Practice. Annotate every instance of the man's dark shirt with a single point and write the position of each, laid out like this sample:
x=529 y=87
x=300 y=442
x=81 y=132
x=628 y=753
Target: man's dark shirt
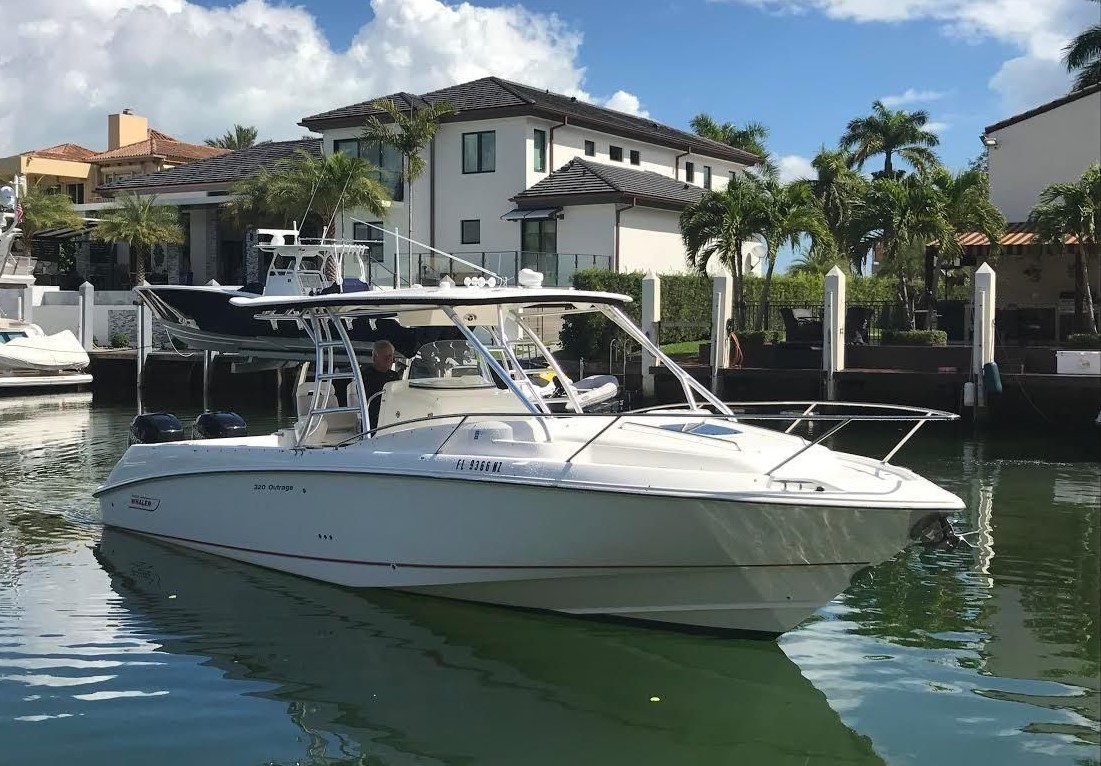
x=373 y=381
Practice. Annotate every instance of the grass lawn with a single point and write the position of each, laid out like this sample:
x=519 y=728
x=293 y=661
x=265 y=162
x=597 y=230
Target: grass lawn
x=687 y=349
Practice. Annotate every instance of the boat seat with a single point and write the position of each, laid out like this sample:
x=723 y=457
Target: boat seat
x=332 y=426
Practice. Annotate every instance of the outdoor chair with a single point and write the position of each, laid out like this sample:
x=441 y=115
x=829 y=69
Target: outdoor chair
x=857 y=319
x=802 y=325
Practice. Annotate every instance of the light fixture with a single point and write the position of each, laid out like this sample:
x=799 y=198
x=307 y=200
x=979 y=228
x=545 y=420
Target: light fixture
x=988 y=141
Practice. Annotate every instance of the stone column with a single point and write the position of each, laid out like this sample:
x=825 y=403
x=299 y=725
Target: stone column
x=252 y=256
x=651 y=318
x=87 y=312
x=982 y=343
x=722 y=309
x=833 y=345
x=172 y=256
x=212 y=237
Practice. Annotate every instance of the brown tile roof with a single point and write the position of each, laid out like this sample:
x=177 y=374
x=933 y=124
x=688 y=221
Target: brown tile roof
x=1070 y=97
x=159 y=145
x=1016 y=233
x=493 y=97
x=73 y=152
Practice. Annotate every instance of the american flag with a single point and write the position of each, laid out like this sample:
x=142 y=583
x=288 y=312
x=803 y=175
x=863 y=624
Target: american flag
x=18 y=212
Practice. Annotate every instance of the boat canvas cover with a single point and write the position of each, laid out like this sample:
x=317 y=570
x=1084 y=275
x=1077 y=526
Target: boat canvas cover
x=61 y=351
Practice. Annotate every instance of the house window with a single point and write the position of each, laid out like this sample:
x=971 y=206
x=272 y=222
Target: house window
x=615 y=153
x=539 y=236
x=470 y=231
x=540 y=151
x=75 y=192
x=636 y=157
x=372 y=233
x=690 y=172
x=384 y=157
x=707 y=176
x=480 y=152
x=590 y=148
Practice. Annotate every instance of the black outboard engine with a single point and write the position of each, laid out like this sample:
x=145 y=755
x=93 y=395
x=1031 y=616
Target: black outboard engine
x=219 y=425
x=155 y=427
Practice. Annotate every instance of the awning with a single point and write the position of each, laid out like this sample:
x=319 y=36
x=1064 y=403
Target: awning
x=65 y=232
x=526 y=214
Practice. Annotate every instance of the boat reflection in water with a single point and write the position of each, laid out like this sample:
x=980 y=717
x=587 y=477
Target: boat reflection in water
x=403 y=678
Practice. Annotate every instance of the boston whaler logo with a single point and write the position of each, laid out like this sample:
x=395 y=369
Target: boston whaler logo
x=142 y=503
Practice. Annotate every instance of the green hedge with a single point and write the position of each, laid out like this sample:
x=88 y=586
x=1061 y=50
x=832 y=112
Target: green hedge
x=914 y=338
x=1083 y=340
x=686 y=300
x=760 y=337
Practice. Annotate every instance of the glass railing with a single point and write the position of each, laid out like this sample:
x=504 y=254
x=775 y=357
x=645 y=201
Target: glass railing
x=427 y=268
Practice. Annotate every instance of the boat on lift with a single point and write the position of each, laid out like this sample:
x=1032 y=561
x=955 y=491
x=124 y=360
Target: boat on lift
x=31 y=359
x=473 y=486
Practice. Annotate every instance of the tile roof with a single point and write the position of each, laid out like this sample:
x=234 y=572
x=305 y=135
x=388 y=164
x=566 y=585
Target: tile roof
x=1070 y=97
x=504 y=97
x=159 y=145
x=581 y=178
x=73 y=152
x=223 y=169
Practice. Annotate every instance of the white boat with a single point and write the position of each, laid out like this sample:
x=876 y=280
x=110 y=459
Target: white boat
x=475 y=486
x=30 y=358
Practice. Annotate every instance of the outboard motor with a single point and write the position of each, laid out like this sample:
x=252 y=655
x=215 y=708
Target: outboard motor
x=155 y=427
x=219 y=425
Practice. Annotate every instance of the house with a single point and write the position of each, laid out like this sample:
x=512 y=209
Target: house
x=1052 y=143
x=133 y=149
x=215 y=245
x=520 y=176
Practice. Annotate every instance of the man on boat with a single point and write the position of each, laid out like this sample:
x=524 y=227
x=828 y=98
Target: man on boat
x=378 y=374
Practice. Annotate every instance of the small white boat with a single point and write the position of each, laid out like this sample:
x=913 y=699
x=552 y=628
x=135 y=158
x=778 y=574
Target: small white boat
x=474 y=485
x=30 y=358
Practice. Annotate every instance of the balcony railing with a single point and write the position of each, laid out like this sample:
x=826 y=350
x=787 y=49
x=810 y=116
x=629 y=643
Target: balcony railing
x=427 y=268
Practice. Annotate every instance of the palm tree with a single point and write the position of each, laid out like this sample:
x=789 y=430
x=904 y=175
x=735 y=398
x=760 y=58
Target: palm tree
x=1073 y=211
x=818 y=261
x=45 y=209
x=409 y=132
x=141 y=223
x=239 y=137
x=1083 y=53
x=900 y=215
x=891 y=132
x=790 y=212
x=718 y=226
x=839 y=191
x=750 y=138
x=308 y=187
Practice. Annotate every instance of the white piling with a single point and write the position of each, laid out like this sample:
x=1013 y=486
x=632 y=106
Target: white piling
x=833 y=341
x=26 y=303
x=722 y=309
x=651 y=317
x=145 y=339
x=87 y=312
x=982 y=348
x=208 y=358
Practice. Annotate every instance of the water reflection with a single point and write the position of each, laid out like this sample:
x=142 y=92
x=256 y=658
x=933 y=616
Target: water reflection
x=393 y=676
x=1014 y=620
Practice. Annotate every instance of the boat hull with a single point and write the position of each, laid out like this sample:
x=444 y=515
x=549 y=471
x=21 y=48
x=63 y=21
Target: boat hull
x=688 y=561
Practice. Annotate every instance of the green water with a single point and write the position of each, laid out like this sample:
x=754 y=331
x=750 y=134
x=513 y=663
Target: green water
x=118 y=651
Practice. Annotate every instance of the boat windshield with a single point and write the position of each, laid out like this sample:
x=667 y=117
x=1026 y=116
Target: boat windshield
x=448 y=364
x=6 y=335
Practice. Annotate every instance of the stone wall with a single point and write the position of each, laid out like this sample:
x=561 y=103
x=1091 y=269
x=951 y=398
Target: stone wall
x=125 y=322
x=252 y=256
x=212 y=236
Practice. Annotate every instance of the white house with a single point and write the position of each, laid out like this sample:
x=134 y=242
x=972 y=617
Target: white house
x=1053 y=143
x=520 y=176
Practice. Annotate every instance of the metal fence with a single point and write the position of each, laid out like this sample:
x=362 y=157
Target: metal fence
x=427 y=268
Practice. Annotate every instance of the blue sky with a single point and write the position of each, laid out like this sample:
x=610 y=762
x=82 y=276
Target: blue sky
x=801 y=72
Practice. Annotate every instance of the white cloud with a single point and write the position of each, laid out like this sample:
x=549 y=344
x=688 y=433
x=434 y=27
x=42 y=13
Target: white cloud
x=794 y=167
x=1037 y=28
x=194 y=71
x=622 y=101
x=938 y=127
x=911 y=96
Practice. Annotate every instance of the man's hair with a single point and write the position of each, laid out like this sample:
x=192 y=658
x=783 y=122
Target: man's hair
x=382 y=345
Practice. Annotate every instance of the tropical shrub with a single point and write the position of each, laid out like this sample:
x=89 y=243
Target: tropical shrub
x=914 y=338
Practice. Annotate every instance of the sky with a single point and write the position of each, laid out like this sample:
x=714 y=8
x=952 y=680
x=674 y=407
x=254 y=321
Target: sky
x=804 y=68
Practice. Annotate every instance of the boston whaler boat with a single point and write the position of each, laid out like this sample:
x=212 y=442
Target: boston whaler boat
x=473 y=485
